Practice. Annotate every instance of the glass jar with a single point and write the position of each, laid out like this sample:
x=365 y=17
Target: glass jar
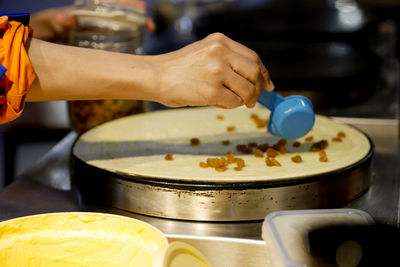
x=111 y=25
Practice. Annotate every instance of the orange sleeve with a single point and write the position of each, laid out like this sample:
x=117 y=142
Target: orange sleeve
x=20 y=75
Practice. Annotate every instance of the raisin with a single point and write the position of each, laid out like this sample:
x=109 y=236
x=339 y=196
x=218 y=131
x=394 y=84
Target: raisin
x=244 y=149
x=272 y=162
x=241 y=147
x=239 y=162
x=322 y=156
x=261 y=123
x=297 y=144
x=319 y=145
x=252 y=144
x=324 y=143
x=226 y=142
x=269 y=162
x=254 y=116
x=309 y=139
x=282 y=150
x=341 y=134
x=194 y=141
x=258 y=153
x=220 y=169
x=276 y=147
x=203 y=165
x=272 y=153
x=230 y=157
x=230 y=128
x=297 y=159
x=221 y=164
x=315 y=147
x=282 y=142
x=263 y=147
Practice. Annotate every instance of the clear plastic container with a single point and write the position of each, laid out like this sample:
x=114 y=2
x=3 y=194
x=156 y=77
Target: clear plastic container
x=111 y=25
x=285 y=232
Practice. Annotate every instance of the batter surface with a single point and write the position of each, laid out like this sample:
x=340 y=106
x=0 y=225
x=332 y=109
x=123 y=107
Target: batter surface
x=137 y=145
x=78 y=239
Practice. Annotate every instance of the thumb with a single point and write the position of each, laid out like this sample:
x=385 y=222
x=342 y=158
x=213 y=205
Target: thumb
x=66 y=19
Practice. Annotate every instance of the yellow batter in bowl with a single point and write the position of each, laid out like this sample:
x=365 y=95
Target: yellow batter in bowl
x=81 y=239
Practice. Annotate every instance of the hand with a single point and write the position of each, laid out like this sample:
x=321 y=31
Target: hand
x=214 y=71
x=54 y=24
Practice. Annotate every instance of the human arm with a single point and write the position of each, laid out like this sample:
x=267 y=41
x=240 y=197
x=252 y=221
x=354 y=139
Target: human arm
x=214 y=71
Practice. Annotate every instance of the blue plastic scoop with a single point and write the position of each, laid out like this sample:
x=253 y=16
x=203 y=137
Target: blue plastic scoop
x=291 y=117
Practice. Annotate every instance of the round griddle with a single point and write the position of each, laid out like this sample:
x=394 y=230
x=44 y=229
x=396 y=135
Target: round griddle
x=113 y=165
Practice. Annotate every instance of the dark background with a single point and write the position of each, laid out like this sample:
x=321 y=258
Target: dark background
x=30 y=5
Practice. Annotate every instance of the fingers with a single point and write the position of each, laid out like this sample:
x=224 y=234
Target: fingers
x=253 y=56
x=66 y=19
x=226 y=98
x=236 y=73
x=149 y=24
x=239 y=73
x=250 y=71
x=241 y=86
x=247 y=53
x=267 y=82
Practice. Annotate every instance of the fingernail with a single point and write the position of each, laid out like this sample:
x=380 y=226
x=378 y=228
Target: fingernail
x=271 y=86
x=251 y=105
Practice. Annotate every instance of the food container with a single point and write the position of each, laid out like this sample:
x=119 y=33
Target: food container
x=285 y=232
x=90 y=239
x=86 y=114
x=111 y=25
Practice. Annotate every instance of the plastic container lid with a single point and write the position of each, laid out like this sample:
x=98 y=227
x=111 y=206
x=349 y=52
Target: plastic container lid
x=285 y=232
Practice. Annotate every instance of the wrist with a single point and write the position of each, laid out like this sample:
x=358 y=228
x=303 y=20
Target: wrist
x=165 y=83
x=137 y=78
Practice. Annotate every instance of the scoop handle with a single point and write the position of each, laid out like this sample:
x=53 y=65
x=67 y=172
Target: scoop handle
x=270 y=99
